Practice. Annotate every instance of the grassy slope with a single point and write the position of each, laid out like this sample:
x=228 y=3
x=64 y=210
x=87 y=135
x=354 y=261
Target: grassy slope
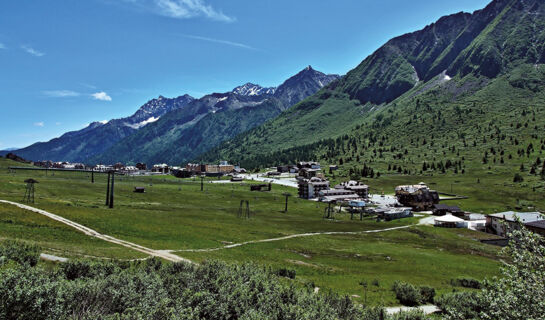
x=169 y=218
x=56 y=238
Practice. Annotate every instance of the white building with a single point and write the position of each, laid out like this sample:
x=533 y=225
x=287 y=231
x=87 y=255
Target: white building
x=504 y=222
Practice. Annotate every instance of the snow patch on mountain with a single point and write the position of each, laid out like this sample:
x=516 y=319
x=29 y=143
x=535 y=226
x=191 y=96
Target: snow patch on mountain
x=250 y=89
x=143 y=123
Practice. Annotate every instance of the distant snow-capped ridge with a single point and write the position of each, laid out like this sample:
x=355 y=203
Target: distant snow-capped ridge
x=250 y=89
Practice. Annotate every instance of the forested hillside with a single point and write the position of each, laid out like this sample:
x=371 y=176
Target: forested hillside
x=466 y=93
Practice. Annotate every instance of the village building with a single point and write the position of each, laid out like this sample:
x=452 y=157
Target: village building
x=310 y=173
x=389 y=214
x=309 y=165
x=194 y=168
x=536 y=227
x=310 y=188
x=442 y=209
x=119 y=166
x=141 y=166
x=211 y=169
x=102 y=168
x=503 y=223
x=130 y=169
x=335 y=195
x=161 y=168
x=418 y=197
x=357 y=187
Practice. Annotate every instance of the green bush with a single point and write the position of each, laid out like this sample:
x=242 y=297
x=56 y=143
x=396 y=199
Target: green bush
x=407 y=294
x=460 y=305
x=20 y=252
x=409 y=315
x=152 y=289
x=427 y=294
x=286 y=273
x=466 y=283
x=411 y=295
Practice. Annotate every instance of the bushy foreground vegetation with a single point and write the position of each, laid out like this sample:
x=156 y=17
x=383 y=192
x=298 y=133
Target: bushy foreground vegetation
x=151 y=289
x=519 y=294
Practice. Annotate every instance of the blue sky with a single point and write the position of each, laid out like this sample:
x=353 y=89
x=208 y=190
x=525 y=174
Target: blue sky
x=65 y=63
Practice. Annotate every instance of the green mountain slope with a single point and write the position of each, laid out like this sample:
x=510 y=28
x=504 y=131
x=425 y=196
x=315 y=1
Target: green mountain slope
x=473 y=61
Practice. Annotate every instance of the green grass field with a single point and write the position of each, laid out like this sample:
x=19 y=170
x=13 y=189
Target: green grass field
x=175 y=215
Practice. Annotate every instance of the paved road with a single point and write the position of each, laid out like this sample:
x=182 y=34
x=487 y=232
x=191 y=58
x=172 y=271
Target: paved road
x=90 y=232
x=288 y=182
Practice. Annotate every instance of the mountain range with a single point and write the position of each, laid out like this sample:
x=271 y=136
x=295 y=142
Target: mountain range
x=488 y=64
x=175 y=130
x=469 y=87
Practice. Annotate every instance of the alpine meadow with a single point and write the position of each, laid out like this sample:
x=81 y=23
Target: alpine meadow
x=411 y=186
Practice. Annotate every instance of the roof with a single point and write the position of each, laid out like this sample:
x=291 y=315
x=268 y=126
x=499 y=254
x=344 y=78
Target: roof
x=447 y=207
x=341 y=197
x=411 y=188
x=523 y=216
x=335 y=192
x=448 y=218
x=536 y=224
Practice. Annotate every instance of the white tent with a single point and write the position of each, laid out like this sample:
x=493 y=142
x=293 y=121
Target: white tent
x=450 y=221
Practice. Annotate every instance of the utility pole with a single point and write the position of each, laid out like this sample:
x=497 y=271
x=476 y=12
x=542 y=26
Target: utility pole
x=112 y=192
x=202 y=183
x=287 y=195
x=108 y=190
x=92 y=175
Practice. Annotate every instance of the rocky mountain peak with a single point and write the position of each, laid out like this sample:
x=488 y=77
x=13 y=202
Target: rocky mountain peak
x=251 y=89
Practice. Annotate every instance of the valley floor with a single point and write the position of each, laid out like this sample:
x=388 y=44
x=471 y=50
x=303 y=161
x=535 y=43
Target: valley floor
x=175 y=218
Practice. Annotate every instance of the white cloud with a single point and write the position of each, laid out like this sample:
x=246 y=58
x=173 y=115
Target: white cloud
x=33 y=51
x=2 y=46
x=182 y=9
x=103 y=96
x=226 y=42
x=39 y=124
x=60 y=93
x=58 y=123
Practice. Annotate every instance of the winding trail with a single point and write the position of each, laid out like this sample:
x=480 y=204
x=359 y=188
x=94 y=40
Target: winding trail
x=169 y=254
x=299 y=235
x=90 y=232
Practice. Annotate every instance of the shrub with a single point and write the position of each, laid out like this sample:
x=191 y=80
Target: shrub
x=466 y=283
x=284 y=272
x=409 y=315
x=427 y=294
x=460 y=305
x=153 y=289
x=20 y=252
x=407 y=294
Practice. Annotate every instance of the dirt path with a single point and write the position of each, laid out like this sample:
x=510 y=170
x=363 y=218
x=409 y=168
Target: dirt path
x=169 y=254
x=424 y=221
x=300 y=235
x=90 y=232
